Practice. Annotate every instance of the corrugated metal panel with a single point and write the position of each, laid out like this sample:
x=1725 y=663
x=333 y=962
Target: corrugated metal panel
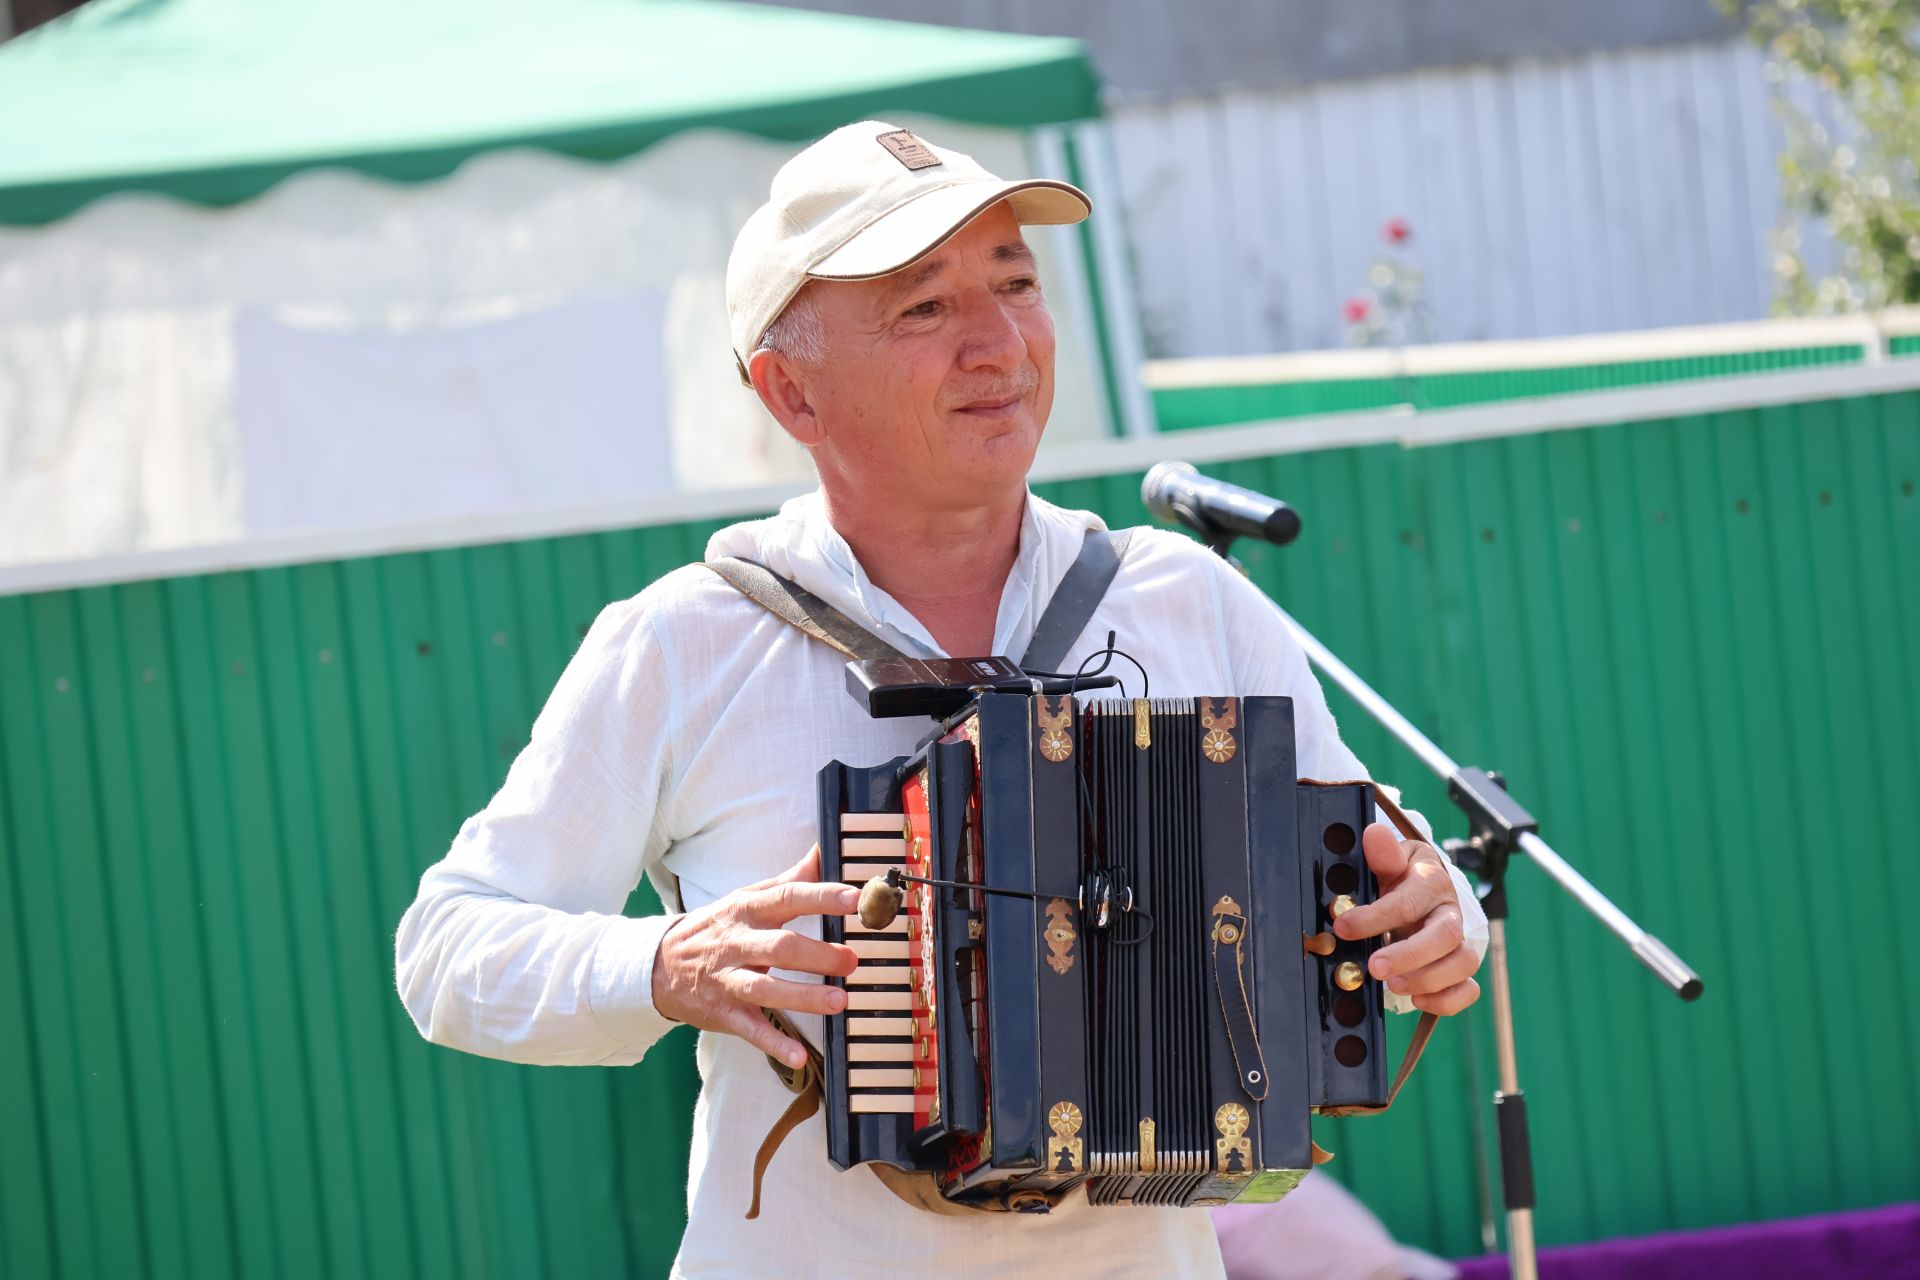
x=1690 y=644
x=1626 y=190
x=1183 y=408
x=218 y=794
x=1146 y=49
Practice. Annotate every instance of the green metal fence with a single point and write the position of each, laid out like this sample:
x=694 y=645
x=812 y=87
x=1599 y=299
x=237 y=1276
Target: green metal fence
x=1691 y=643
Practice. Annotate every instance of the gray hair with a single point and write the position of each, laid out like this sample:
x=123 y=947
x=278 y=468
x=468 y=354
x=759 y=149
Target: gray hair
x=797 y=331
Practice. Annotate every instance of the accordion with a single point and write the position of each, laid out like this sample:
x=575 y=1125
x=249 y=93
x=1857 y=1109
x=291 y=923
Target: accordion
x=1111 y=963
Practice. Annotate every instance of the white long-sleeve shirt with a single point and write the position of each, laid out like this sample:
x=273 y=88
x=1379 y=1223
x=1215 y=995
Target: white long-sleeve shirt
x=682 y=742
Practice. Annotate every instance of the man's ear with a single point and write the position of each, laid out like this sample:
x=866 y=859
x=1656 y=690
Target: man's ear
x=783 y=390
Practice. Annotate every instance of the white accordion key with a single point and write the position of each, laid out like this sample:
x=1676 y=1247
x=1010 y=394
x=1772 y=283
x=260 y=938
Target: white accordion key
x=880 y=1103
x=895 y=1051
x=898 y=1025
x=879 y=1000
x=869 y=849
x=891 y=823
x=881 y=975
x=881 y=1078
x=879 y=947
x=897 y=931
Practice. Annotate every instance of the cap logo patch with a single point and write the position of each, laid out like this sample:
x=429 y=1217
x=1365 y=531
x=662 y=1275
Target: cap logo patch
x=909 y=150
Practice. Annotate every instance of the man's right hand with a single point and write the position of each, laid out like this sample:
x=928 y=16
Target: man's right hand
x=711 y=969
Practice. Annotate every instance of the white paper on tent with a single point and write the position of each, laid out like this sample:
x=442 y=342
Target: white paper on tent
x=546 y=408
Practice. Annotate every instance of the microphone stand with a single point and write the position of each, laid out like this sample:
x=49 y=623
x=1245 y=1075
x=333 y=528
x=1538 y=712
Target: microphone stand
x=1499 y=827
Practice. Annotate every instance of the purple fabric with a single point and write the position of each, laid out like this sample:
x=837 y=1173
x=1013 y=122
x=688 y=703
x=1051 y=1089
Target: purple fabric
x=1870 y=1244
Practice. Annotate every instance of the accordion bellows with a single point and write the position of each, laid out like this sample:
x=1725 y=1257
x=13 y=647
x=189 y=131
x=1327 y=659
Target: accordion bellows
x=1162 y=1013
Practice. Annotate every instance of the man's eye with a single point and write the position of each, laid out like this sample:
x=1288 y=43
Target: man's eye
x=921 y=311
x=1024 y=284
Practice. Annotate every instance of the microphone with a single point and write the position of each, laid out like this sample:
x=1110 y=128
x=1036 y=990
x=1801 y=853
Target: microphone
x=1174 y=491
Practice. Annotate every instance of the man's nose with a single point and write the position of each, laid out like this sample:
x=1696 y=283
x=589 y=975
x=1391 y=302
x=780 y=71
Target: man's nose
x=992 y=333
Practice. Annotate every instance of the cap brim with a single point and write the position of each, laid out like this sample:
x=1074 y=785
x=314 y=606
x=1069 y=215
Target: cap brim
x=914 y=229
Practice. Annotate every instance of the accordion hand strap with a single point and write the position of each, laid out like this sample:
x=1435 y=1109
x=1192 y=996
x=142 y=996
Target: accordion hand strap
x=1422 y=1032
x=804 y=1081
x=1236 y=1006
x=915 y=1186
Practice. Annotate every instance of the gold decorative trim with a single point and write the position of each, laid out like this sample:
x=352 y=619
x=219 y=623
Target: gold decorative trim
x=1234 y=1150
x=1149 y=1158
x=1217 y=743
x=1142 y=727
x=1060 y=936
x=1064 y=1153
x=1056 y=743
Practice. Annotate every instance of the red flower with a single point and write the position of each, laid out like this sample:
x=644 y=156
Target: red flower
x=1397 y=231
x=1358 y=308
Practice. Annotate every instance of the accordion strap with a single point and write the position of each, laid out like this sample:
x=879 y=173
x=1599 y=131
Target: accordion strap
x=1236 y=1006
x=1074 y=600
x=915 y=1186
x=795 y=605
x=1080 y=592
x=804 y=1082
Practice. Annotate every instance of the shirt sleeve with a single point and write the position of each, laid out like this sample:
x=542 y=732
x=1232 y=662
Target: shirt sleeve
x=1265 y=658
x=515 y=946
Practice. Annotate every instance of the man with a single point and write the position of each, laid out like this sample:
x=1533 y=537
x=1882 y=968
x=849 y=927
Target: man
x=886 y=310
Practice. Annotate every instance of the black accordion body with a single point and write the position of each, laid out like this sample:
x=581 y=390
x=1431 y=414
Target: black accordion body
x=1160 y=1012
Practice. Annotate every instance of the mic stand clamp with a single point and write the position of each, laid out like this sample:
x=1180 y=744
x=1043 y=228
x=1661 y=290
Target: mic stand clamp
x=1219 y=540
x=1495 y=822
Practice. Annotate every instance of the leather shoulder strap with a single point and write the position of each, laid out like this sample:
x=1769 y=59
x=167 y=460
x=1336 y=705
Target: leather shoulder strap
x=1066 y=615
x=795 y=605
x=1075 y=599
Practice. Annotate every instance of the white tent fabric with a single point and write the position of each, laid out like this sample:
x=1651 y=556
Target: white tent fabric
x=537 y=410
x=121 y=328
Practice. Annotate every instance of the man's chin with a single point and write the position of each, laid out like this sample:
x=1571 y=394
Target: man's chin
x=1016 y=420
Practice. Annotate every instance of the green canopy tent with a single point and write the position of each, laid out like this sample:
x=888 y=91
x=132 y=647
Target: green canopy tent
x=214 y=101
x=148 y=142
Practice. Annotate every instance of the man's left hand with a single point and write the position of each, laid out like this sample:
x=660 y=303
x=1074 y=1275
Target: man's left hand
x=1430 y=960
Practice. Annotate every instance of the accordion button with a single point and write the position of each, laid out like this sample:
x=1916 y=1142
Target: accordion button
x=1349 y=975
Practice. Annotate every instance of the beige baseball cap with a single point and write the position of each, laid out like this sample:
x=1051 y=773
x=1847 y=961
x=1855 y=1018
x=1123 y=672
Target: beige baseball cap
x=866 y=200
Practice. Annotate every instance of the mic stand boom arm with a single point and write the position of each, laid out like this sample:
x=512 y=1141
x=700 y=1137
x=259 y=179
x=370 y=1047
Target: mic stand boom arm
x=1498 y=823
